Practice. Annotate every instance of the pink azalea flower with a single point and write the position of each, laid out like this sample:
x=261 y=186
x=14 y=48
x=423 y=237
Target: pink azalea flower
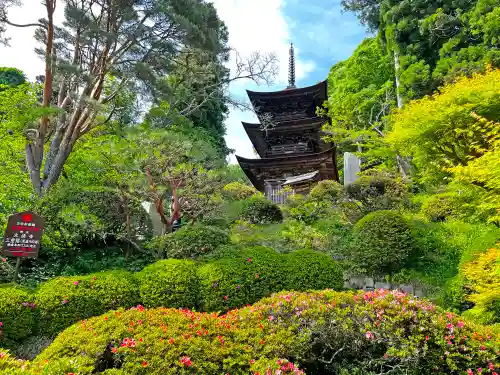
x=470 y=372
x=460 y=324
x=76 y=283
x=369 y=335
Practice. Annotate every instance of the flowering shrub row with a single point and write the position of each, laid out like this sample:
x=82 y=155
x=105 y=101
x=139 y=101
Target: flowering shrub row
x=236 y=278
x=323 y=332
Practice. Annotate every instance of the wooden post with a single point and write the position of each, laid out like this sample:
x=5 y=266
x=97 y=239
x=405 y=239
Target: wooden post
x=16 y=272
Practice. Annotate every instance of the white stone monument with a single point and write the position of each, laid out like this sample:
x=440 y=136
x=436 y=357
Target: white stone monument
x=352 y=167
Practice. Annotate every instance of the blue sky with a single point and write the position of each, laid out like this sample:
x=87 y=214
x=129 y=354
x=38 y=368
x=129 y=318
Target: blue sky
x=321 y=33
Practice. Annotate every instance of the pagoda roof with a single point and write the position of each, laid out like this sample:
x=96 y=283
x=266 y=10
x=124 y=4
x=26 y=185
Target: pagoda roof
x=258 y=136
x=259 y=170
x=290 y=104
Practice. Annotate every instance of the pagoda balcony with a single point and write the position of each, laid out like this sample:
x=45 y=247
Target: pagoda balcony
x=300 y=148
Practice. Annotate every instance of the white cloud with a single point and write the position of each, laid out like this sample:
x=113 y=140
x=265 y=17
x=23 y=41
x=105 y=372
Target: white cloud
x=257 y=25
x=21 y=52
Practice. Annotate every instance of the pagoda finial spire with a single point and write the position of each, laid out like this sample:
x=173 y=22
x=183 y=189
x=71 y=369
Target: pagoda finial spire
x=291 y=68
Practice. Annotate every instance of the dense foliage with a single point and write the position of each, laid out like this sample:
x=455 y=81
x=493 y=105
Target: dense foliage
x=321 y=332
x=382 y=243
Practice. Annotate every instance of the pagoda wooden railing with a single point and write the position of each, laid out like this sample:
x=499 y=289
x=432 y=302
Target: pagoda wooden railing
x=289 y=149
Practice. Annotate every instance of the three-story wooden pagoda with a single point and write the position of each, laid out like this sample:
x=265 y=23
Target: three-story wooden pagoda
x=288 y=139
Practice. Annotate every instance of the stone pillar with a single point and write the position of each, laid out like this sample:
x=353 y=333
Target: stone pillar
x=155 y=218
x=352 y=167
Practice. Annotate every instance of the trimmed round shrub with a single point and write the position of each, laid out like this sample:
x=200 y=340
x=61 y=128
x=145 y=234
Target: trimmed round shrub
x=169 y=283
x=189 y=242
x=260 y=210
x=238 y=191
x=378 y=193
x=17 y=314
x=311 y=270
x=327 y=190
x=322 y=332
x=239 y=277
x=63 y=301
x=382 y=243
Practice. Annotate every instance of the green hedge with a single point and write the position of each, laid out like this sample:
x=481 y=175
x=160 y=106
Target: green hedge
x=172 y=283
x=229 y=277
x=66 y=300
x=189 y=242
x=17 y=314
x=239 y=277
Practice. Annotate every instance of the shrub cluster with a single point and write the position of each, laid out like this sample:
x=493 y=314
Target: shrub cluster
x=238 y=191
x=259 y=210
x=378 y=193
x=228 y=278
x=321 y=332
x=189 y=242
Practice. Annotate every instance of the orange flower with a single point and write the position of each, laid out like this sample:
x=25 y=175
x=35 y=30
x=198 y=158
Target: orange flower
x=144 y=364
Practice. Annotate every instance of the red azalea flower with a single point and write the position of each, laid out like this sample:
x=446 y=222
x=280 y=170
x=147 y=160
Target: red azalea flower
x=186 y=361
x=226 y=298
x=144 y=364
x=114 y=350
x=470 y=372
x=170 y=341
x=1 y=324
x=369 y=335
x=4 y=260
x=460 y=324
x=490 y=366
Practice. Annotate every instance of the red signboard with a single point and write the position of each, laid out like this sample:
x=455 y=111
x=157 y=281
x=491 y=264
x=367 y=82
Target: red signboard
x=22 y=236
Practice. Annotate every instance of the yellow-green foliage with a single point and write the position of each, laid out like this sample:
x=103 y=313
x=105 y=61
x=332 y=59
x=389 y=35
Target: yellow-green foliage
x=483 y=276
x=238 y=191
x=484 y=172
x=370 y=333
x=450 y=128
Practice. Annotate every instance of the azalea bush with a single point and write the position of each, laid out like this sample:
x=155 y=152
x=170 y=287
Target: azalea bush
x=229 y=277
x=17 y=314
x=322 y=332
x=189 y=242
x=170 y=282
x=63 y=301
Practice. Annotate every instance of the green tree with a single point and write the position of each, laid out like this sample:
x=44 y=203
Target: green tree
x=11 y=77
x=135 y=41
x=450 y=129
